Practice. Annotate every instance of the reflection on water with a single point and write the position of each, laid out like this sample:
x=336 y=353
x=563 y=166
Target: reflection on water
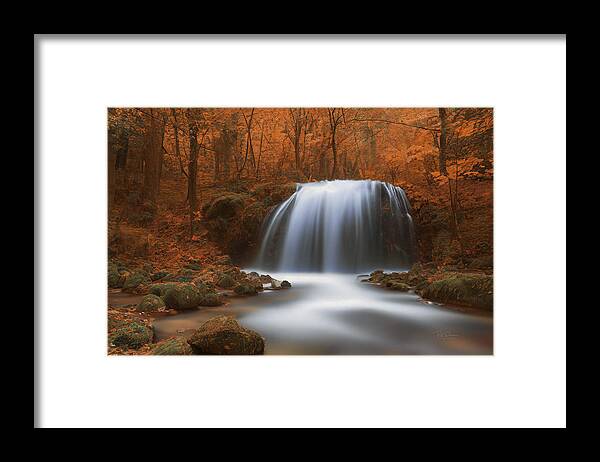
x=337 y=314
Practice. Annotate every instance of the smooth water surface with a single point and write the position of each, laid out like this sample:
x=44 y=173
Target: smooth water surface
x=326 y=313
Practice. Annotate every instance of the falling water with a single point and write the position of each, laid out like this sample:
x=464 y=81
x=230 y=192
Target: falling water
x=339 y=226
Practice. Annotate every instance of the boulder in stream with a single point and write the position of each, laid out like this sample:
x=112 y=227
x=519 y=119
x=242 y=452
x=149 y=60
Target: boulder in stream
x=151 y=302
x=223 y=335
x=245 y=289
x=473 y=290
x=183 y=297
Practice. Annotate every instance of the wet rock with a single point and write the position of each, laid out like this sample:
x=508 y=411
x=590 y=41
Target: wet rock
x=134 y=280
x=474 y=290
x=285 y=284
x=132 y=335
x=183 y=297
x=172 y=347
x=150 y=303
x=399 y=286
x=226 y=281
x=201 y=285
x=161 y=288
x=210 y=298
x=245 y=289
x=275 y=284
x=223 y=335
x=265 y=278
x=376 y=276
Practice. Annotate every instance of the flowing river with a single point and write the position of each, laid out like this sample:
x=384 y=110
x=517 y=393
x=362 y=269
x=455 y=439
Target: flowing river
x=327 y=314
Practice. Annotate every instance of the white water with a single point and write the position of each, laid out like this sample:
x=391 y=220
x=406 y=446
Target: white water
x=339 y=226
x=331 y=314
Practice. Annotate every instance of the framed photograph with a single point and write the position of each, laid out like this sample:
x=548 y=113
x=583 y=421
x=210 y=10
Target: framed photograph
x=293 y=223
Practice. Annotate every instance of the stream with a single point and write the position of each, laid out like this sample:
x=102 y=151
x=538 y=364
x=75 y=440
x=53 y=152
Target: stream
x=333 y=314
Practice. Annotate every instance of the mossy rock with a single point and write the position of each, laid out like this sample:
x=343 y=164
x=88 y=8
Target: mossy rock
x=226 y=281
x=399 y=286
x=115 y=279
x=172 y=347
x=136 y=279
x=203 y=284
x=211 y=299
x=253 y=217
x=376 y=276
x=161 y=288
x=133 y=335
x=182 y=297
x=472 y=290
x=245 y=289
x=225 y=206
x=151 y=302
x=223 y=335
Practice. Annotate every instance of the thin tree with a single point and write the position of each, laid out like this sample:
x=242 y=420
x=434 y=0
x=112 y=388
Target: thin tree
x=442 y=142
x=335 y=118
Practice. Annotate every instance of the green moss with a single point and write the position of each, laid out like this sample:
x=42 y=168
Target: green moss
x=210 y=299
x=134 y=280
x=151 y=302
x=226 y=281
x=172 y=347
x=223 y=335
x=225 y=206
x=399 y=286
x=245 y=289
x=182 y=297
x=133 y=335
x=115 y=279
x=462 y=289
x=376 y=276
x=161 y=288
x=201 y=285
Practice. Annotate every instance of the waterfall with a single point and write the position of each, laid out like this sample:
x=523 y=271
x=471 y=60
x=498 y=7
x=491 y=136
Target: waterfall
x=340 y=226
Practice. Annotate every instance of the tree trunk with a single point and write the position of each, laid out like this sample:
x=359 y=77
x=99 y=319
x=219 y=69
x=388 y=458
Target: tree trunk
x=152 y=157
x=192 y=169
x=442 y=143
x=334 y=151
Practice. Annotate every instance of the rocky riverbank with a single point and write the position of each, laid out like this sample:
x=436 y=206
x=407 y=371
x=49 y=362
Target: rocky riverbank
x=450 y=286
x=196 y=286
